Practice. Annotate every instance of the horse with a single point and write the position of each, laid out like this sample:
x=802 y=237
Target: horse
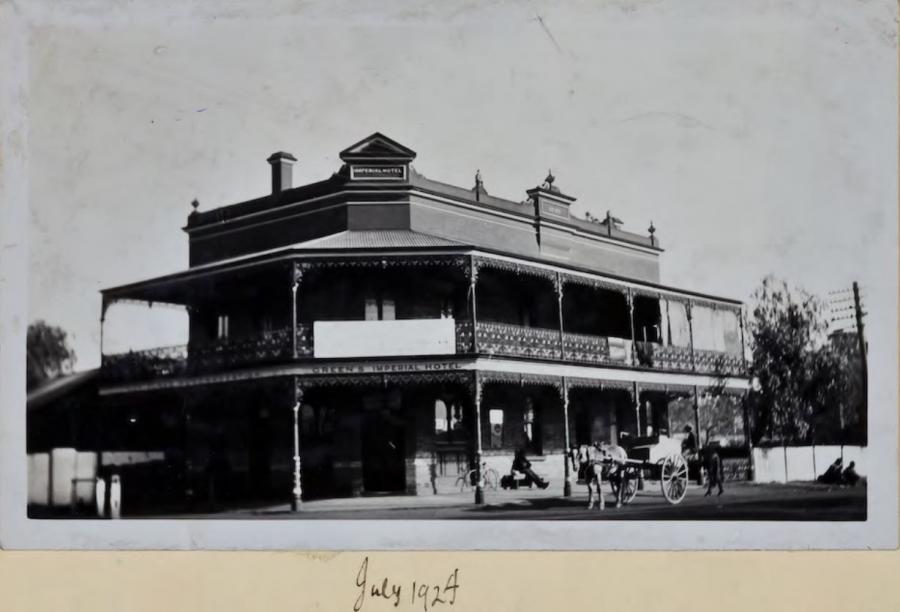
x=599 y=461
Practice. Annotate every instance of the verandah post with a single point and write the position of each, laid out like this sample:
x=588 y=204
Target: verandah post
x=629 y=298
x=479 y=483
x=298 y=490
x=697 y=428
x=296 y=277
x=636 y=392
x=567 y=485
x=558 y=287
x=748 y=433
x=473 y=281
x=689 y=309
x=637 y=417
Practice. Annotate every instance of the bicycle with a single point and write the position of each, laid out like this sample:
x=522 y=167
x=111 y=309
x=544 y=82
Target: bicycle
x=467 y=480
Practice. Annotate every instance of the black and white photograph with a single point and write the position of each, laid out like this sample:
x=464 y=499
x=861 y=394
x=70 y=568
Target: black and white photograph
x=423 y=275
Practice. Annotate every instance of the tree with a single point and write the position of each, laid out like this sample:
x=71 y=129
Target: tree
x=48 y=354
x=720 y=414
x=837 y=392
x=787 y=331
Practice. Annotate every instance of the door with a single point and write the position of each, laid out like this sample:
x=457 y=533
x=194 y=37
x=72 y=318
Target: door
x=384 y=457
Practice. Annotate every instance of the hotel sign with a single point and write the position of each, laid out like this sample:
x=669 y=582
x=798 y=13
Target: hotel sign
x=408 y=337
x=385 y=368
x=378 y=173
x=555 y=210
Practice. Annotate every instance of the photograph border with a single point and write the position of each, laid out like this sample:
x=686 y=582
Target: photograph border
x=879 y=531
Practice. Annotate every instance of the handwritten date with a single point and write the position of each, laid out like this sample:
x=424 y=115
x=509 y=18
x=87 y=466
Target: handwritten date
x=416 y=593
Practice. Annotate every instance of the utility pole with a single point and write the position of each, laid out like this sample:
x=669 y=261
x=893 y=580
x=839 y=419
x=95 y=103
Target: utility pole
x=846 y=306
x=862 y=349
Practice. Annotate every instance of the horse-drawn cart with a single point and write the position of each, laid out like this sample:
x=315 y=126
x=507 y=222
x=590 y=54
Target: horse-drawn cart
x=657 y=458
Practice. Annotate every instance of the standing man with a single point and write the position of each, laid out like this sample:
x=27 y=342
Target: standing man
x=715 y=472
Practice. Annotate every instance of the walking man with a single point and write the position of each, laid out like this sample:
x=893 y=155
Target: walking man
x=715 y=472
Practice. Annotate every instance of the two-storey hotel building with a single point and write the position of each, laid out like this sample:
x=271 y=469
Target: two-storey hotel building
x=380 y=331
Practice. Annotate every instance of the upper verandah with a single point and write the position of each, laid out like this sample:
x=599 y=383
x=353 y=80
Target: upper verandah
x=378 y=189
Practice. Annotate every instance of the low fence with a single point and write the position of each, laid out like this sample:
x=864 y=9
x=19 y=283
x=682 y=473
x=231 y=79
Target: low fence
x=66 y=477
x=803 y=463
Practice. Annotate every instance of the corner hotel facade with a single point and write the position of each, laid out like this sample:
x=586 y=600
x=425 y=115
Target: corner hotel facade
x=380 y=331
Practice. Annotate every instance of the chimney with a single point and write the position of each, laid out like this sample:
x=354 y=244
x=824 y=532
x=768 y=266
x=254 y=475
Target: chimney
x=281 y=170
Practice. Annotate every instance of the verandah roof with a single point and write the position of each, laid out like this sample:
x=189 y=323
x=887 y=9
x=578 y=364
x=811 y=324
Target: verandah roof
x=201 y=281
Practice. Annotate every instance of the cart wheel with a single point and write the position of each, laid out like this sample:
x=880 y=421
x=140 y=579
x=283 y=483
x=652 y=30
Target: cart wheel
x=673 y=478
x=631 y=486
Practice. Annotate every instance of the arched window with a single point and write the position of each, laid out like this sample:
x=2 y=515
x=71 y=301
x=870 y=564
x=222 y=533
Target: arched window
x=449 y=421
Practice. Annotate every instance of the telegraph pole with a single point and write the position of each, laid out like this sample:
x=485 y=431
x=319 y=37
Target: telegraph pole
x=847 y=306
x=862 y=345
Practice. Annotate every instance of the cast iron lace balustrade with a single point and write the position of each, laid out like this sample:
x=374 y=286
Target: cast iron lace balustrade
x=716 y=362
x=463 y=336
x=197 y=358
x=159 y=362
x=235 y=352
x=509 y=340
x=586 y=348
x=657 y=356
x=304 y=340
x=519 y=341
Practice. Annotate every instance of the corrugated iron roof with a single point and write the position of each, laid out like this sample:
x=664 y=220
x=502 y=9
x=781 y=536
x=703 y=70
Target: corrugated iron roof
x=59 y=387
x=376 y=239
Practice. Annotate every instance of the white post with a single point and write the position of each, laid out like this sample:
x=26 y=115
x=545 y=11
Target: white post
x=100 y=496
x=115 y=497
x=567 y=486
x=479 y=485
x=296 y=277
x=784 y=448
x=298 y=490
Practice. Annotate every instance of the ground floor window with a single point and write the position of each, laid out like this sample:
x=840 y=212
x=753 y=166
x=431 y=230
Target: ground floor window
x=529 y=428
x=449 y=421
x=495 y=419
x=316 y=422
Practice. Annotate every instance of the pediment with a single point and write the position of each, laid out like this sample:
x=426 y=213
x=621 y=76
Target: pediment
x=377 y=147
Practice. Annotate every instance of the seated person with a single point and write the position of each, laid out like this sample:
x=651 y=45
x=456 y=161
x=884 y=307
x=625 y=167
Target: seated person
x=523 y=465
x=833 y=474
x=850 y=477
x=689 y=443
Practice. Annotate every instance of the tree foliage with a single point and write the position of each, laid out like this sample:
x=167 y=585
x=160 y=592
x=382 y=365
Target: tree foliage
x=48 y=354
x=803 y=383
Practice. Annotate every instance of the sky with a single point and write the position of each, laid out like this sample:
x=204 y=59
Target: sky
x=758 y=137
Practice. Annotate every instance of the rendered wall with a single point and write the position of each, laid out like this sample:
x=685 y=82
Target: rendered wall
x=518 y=236
x=804 y=463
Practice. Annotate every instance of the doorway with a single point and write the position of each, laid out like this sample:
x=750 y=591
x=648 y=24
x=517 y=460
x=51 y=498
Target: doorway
x=383 y=448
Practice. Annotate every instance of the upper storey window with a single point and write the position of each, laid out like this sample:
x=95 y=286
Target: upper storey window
x=716 y=329
x=222 y=327
x=380 y=308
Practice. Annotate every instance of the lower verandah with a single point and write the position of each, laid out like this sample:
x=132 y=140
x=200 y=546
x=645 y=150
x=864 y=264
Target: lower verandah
x=233 y=444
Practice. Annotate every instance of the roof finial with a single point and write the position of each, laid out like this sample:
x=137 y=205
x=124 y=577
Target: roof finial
x=652 y=231
x=195 y=204
x=479 y=186
x=548 y=182
x=611 y=221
